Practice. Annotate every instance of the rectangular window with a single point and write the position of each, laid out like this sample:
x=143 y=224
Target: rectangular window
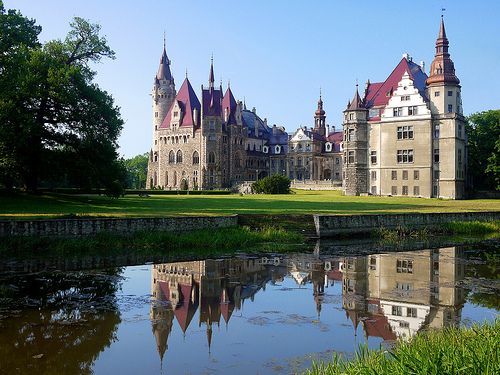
x=405 y=175
x=403 y=324
x=374 y=190
x=450 y=108
x=450 y=93
x=374 y=175
x=404 y=266
x=397 y=310
x=436 y=175
x=350 y=135
x=436 y=155
x=460 y=158
x=373 y=263
x=373 y=157
x=459 y=130
x=405 y=98
x=350 y=156
x=337 y=161
x=405 y=132
x=411 y=312
x=435 y=190
x=394 y=190
x=412 y=110
x=405 y=190
x=437 y=93
x=416 y=191
x=416 y=175
x=397 y=112
x=436 y=131
x=404 y=156
x=394 y=175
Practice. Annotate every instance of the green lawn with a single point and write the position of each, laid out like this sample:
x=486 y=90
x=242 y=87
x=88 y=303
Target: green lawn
x=301 y=202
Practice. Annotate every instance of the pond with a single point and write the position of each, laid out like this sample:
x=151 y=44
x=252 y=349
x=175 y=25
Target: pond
x=247 y=314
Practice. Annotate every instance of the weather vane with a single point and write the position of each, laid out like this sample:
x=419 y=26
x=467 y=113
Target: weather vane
x=442 y=11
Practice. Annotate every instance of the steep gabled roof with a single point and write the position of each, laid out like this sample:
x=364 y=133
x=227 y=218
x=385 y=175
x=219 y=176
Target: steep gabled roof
x=212 y=102
x=229 y=104
x=378 y=94
x=188 y=101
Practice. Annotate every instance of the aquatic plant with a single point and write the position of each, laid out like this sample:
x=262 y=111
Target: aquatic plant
x=474 y=350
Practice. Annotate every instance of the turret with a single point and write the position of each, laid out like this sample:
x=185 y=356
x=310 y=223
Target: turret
x=320 y=118
x=355 y=147
x=163 y=92
x=443 y=86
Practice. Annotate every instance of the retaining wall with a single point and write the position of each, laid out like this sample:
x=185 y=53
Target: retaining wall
x=90 y=226
x=331 y=225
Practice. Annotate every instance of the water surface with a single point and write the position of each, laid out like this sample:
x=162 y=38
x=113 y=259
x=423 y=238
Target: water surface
x=245 y=314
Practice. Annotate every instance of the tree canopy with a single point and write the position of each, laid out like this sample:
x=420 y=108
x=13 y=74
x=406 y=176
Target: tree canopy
x=137 y=170
x=483 y=131
x=56 y=125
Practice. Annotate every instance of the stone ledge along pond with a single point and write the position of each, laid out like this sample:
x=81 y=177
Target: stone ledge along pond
x=244 y=313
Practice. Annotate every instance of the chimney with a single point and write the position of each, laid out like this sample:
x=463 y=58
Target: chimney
x=422 y=66
x=254 y=110
x=327 y=130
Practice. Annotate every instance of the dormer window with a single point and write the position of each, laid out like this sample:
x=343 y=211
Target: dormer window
x=328 y=146
x=277 y=149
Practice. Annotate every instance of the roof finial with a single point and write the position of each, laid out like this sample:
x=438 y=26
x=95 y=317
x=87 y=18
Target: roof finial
x=442 y=12
x=186 y=73
x=320 y=93
x=164 y=40
x=228 y=83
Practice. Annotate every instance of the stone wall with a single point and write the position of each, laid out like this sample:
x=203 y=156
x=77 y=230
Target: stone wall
x=316 y=185
x=331 y=225
x=90 y=226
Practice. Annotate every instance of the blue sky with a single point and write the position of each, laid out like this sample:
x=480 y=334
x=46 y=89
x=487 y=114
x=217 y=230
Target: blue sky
x=277 y=54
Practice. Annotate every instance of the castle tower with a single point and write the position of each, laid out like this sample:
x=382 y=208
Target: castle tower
x=214 y=145
x=320 y=118
x=355 y=167
x=163 y=92
x=448 y=122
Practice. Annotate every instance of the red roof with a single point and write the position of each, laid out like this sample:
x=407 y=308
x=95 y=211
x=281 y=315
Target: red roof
x=188 y=101
x=335 y=137
x=378 y=326
x=212 y=102
x=229 y=104
x=185 y=311
x=378 y=94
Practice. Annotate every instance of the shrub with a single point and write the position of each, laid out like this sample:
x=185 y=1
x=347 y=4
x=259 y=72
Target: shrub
x=275 y=184
x=114 y=189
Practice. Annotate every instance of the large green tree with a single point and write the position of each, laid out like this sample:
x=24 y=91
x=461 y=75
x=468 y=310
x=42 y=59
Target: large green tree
x=137 y=170
x=483 y=131
x=56 y=124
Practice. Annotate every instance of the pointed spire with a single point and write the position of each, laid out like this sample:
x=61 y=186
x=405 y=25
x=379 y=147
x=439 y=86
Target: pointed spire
x=356 y=102
x=164 y=68
x=211 y=78
x=442 y=67
x=442 y=31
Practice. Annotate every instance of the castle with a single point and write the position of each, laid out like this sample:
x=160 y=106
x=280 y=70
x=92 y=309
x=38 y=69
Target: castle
x=404 y=136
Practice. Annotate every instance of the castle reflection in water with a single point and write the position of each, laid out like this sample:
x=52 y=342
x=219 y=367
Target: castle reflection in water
x=392 y=295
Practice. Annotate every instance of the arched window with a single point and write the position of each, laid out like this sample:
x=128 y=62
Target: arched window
x=171 y=157
x=175 y=178
x=179 y=156
x=211 y=157
x=196 y=158
x=166 y=178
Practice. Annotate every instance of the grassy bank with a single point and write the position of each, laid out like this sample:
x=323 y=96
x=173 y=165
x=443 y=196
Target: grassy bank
x=206 y=241
x=301 y=202
x=474 y=350
x=452 y=228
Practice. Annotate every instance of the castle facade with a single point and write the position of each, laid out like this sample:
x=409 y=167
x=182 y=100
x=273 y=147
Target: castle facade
x=404 y=136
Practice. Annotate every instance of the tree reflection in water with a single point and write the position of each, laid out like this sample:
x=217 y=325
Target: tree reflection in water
x=58 y=322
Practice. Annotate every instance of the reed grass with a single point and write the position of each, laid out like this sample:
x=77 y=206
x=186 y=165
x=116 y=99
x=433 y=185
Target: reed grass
x=205 y=241
x=474 y=350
